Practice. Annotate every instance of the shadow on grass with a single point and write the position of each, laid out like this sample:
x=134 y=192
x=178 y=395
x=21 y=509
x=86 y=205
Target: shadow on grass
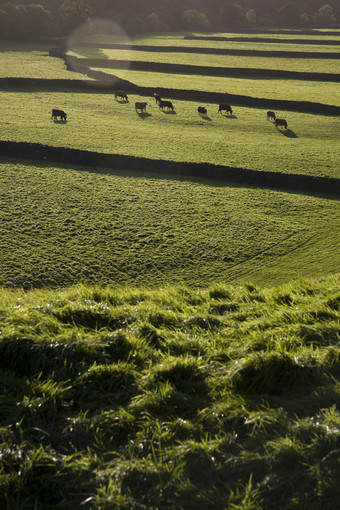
x=144 y=115
x=232 y=116
x=169 y=112
x=204 y=117
x=60 y=121
x=122 y=101
x=288 y=133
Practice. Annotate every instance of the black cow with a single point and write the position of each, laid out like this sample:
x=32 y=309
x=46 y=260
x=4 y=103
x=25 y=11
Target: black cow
x=157 y=97
x=58 y=113
x=141 y=106
x=165 y=104
x=281 y=122
x=121 y=94
x=225 y=108
x=271 y=115
x=202 y=110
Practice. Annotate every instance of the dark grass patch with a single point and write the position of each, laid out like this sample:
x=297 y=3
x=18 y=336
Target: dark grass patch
x=275 y=373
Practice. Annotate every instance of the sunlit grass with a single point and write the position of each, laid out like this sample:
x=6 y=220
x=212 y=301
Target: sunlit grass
x=291 y=90
x=99 y=123
x=19 y=60
x=197 y=59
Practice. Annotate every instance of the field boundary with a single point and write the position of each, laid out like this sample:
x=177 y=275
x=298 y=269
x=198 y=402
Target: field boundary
x=209 y=51
x=109 y=83
x=225 y=72
x=316 y=42
x=276 y=180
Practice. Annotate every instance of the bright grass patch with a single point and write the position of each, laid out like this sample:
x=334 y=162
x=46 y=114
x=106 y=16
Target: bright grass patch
x=19 y=60
x=197 y=59
x=97 y=122
x=271 y=88
x=194 y=397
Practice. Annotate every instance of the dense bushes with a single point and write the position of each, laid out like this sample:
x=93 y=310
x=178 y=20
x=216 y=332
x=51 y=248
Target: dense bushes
x=24 y=21
x=51 y=17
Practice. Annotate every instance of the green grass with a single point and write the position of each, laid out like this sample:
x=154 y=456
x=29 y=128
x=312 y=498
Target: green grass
x=197 y=59
x=177 y=390
x=175 y=398
x=62 y=225
x=289 y=90
x=99 y=123
x=178 y=40
x=20 y=60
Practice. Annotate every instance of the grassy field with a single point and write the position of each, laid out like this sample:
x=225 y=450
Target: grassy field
x=96 y=121
x=167 y=343
x=289 y=90
x=177 y=39
x=284 y=64
x=171 y=399
x=32 y=61
x=62 y=225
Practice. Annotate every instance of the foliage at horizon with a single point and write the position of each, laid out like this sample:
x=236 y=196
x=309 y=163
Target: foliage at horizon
x=175 y=398
x=19 y=21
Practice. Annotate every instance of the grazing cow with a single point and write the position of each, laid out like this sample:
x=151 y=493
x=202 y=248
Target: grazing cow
x=141 y=106
x=271 y=115
x=281 y=122
x=225 y=108
x=58 y=113
x=121 y=94
x=202 y=110
x=165 y=104
x=157 y=97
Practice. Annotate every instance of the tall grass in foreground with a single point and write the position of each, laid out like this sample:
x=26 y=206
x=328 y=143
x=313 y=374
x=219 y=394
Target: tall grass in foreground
x=126 y=398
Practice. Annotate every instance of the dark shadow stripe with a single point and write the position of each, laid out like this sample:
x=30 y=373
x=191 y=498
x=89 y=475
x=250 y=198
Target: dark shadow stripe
x=225 y=72
x=111 y=83
x=216 y=51
x=277 y=180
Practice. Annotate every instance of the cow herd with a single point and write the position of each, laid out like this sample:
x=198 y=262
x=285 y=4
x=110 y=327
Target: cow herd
x=202 y=110
x=278 y=122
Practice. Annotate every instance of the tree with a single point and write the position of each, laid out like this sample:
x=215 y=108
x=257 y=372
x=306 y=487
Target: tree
x=38 y=20
x=75 y=12
x=288 y=15
x=304 y=19
x=250 y=19
x=324 y=16
x=194 y=20
x=231 y=15
x=4 y=24
x=153 y=23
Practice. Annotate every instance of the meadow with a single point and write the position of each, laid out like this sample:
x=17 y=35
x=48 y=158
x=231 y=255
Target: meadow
x=290 y=90
x=32 y=61
x=284 y=64
x=167 y=342
x=96 y=121
x=178 y=40
x=61 y=225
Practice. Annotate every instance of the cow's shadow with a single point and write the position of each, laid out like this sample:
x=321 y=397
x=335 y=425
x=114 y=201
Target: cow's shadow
x=60 y=121
x=144 y=115
x=169 y=112
x=204 y=117
x=122 y=101
x=288 y=133
x=226 y=116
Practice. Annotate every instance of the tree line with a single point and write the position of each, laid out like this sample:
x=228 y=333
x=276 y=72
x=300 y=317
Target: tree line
x=23 y=20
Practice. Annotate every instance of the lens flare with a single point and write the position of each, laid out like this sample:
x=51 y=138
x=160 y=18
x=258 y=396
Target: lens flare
x=94 y=45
